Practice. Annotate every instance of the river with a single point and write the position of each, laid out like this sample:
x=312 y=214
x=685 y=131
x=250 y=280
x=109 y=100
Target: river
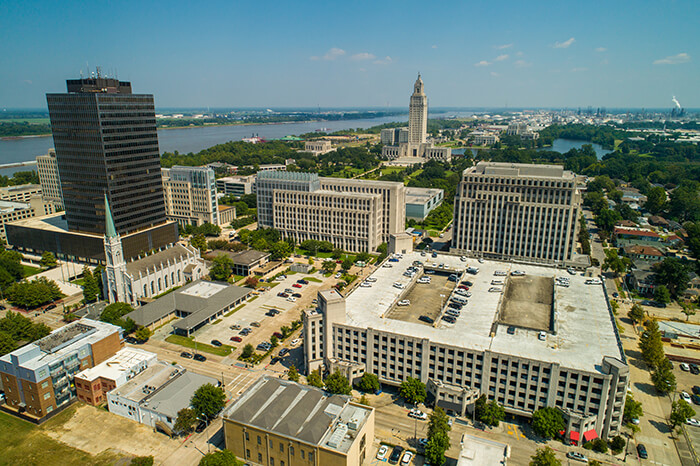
x=186 y=140
x=559 y=145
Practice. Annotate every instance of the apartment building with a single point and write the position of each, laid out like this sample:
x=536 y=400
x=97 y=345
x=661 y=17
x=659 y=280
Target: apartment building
x=514 y=211
x=12 y=211
x=49 y=178
x=38 y=378
x=532 y=344
x=190 y=195
x=277 y=422
x=236 y=185
x=354 y=215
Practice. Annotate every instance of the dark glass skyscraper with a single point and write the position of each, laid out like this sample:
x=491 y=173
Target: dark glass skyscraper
x=106 y=143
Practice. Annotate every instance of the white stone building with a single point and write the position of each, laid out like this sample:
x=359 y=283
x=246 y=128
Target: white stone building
x=190 y=195
x=49 y=178
x=318 y=147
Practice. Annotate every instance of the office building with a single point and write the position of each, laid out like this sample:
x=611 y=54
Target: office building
x=421 y=201
x=49 y=178
x=354 y=215
x=38 y=377
x=277 y=422
x=12 y=211
x=236 y=185
x=146 y=277
x=105 y=143
x=93 y=384
x=20 y=193
x=527 y=338
x=190 y=195
x=196 y=303
x=484 y=138
x=413 y=143
x=318 y=147
x=156 y=394
x=517 y=212
x=245 y=263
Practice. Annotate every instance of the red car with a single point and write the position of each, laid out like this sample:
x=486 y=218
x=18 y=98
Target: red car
x=277 y=334
x=463 y=287
x=296 y=285
x=236 y=339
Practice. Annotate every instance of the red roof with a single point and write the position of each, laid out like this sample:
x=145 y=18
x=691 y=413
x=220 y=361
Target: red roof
x=634 y=232
x=644 y=250
x=590 y=435
x=573 y=435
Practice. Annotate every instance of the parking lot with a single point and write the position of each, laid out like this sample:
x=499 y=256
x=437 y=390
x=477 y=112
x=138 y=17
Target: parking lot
x=426 y=300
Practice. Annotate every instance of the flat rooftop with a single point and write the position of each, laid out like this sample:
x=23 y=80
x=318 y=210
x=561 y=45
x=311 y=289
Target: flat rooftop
x=124 y=361
x=420 y=195
x=479 y=451
x=300 y=412
x=204 y=289
x=527 y=302
x=583 y=328
x=520 y=169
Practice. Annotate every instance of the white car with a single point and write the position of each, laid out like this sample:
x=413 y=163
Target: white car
x=408 y=456
x=400 y=286
x=291 y=299
x=366 y=285
x=542 y=336
x=418 y=414
x=295 y=341
x=381 y=453
x=685 y=367
x=686 y=397
x=574 y=455
x=387 y=266
x=404 y=302
x=423 y=279
x=463 y=259
x=371 y=279
x=692 y=422
x=517 y=273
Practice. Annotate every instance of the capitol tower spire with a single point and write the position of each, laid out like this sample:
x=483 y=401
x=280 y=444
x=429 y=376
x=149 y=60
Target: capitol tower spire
x=418 y=114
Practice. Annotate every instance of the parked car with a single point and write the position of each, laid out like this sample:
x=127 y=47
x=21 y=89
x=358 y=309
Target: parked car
x=395 y=455
x=642 y=451
x=216 y=343
x=296 y=295
x=235 y=327
x=408 y=456
x=692 y=422
x=574 y=455
x=685 y=367
x=255 y=324
x=696 y=390
x=695 y=398
x=237 y=339
x=200 y=427
x=283 y=295
x=426 y=319
x=291 y=299
x=295 y=342
x=278 y=335
x=685 y=396
x=186 y=355
x=449 y=319
x=381 y=453
x=283 y=352
x=403 y=302
x=417 y=414
x=270 y=314
x=511 y=330
x=199 y=357
x=297 y=285
x=694 y=369
x=542 y=336
x=302 y=281
x=131 y=340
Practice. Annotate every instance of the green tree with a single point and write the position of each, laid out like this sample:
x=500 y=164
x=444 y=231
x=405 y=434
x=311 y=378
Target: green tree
x=328 y=266
x=633 y=409
x=314 y=379
x=208 y=401
x=617 y=444
x=142 y=461
x=337 y=254
x=672 y=273
x=186 y=418
x=412 y=390
x=688 y=311
x=142 y=334
x=544 y=457
x=662 y=295
x=547 y=422
x=438 y=436
x=346 y=265
x=48 y=260
x=280 y=250
x=337 y=383
x=90 y=288
x=199 y=242
x=656 y=200
x=274 y=341
x=369 y=382
x=651 y=345
x=34 y=293
x=222 y=268
x=600 y=445
x=489 y=412
x=606 y=219
x=220 y=458
x=293 y=374
x=7 y=343
x=663 y=378
x=680 y=411
x=614 y=262
x=636 y=314
x=115 y=312
x=248 y=351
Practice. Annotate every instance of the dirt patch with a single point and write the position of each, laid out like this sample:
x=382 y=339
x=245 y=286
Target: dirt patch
x=95 y=430
x=527 y=302
x=425 y=300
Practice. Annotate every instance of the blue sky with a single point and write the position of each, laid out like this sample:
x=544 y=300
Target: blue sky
x=281 y=54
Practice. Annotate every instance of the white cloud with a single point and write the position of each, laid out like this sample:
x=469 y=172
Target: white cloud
x=332 y=54
x=519 y=54
x=601 y=49
x=482 y=63
x=564 y=45
x=503 y=47
x=579 y=70
x=505 y=56
x=384 y=61
x=673 y=59
x=494 y=74
x=363 y=56
x=434 y=46
x=522 y=64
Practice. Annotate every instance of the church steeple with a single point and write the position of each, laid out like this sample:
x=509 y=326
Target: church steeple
x=110 y=230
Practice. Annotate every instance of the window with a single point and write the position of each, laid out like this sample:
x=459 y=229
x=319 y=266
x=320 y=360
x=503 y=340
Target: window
x=247 y=453
x=45 y=384
x=311 y=456
x=291 y=451
x=47 y=395
x=302 y=453
x=281 y=447
x=259 y=440
x=247 y=437
x=272 y=462
x=259 y=457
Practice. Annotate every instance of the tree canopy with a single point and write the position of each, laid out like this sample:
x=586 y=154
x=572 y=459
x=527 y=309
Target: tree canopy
x=369 y=382
x=220 y=458
x=337 y=383
x=413 y=390
x=208 y=401
x=544 y=457
x=438 y=436
x=489 y=412
x=31 y=294
x=15 y=328
x=547 y=422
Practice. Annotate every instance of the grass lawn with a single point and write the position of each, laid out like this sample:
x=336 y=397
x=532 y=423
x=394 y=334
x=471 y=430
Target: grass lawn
x=29 y=270
x=78 y=281
x=230 y=313
x=313 y=279
x=24 y=443
x=304 y=252
x=389 y=170
x=224 y=350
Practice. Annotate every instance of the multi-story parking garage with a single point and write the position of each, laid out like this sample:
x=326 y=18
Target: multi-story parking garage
x=527 y=343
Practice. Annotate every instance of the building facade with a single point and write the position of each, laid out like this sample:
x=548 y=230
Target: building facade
x=517 y=212
x=236 y=185
x=39 y=377
x=21 y=193
x=354 y=215
x=13 y=211
x=106 y=142
x=318 y=147
x=49 y=178
x=190 y=195
x=281 y=423
x=421 y=201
